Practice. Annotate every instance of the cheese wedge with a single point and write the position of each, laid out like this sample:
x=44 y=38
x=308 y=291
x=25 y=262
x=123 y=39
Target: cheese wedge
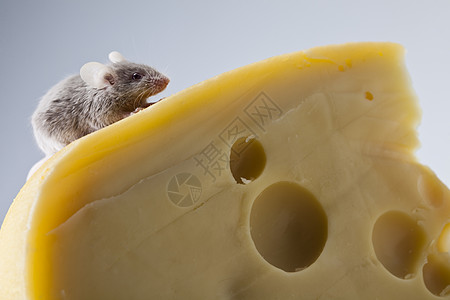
x=291 y=178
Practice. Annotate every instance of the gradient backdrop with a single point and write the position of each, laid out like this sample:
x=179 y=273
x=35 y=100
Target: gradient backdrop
x=43 y=41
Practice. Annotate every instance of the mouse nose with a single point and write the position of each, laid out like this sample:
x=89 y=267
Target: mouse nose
x=160 y=83
x=157 y=84
x=164 y=81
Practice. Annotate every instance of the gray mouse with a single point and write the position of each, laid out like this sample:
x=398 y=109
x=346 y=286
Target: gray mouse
x=99 y=96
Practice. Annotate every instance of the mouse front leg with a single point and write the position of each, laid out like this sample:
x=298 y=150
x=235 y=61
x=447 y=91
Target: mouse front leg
x=144 y=106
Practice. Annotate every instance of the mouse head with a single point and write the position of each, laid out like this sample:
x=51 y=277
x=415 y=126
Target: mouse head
x=123 y=78
x=123 y=87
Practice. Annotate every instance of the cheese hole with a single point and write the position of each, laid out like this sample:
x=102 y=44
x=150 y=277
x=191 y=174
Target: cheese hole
x=436 y=274
x=288 y=226
x=398 y=242
x=369 y=96
x=247 y=160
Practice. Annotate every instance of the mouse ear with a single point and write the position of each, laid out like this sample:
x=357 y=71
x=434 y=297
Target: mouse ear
x=116 y=57
x=97 y=75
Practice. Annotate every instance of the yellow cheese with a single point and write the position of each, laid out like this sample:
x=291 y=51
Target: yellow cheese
x=291 y=178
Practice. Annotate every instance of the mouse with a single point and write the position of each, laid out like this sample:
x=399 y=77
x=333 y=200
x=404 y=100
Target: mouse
x=98 y=96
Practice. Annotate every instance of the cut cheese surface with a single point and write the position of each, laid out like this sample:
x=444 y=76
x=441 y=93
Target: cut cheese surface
x=290 y=178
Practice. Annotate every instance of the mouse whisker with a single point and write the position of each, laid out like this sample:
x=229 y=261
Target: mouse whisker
x=138 y=100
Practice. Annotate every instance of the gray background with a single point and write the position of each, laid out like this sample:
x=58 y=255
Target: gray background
x=43 y=41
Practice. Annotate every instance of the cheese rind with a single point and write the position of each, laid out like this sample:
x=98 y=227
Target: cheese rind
x=164 y=204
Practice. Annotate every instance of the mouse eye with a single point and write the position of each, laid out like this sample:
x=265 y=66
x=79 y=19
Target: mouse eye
x=136 y=76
